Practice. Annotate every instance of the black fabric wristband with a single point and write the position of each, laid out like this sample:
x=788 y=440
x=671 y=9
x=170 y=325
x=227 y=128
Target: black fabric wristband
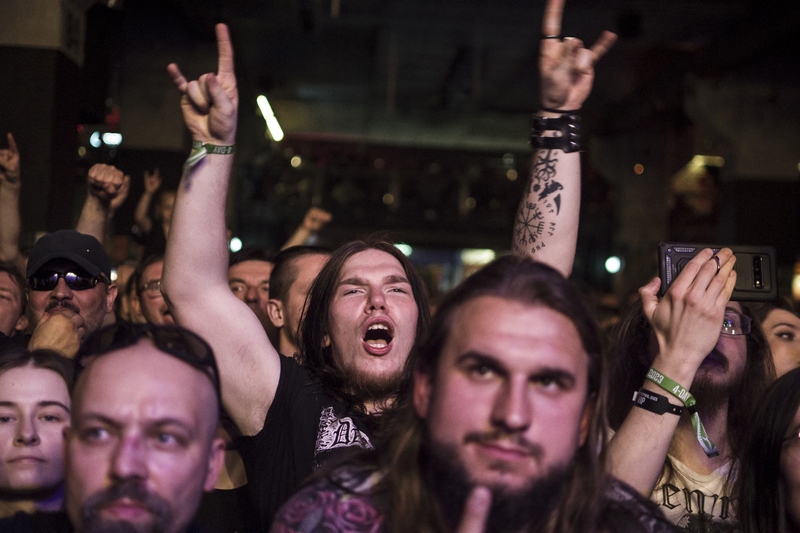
x=655 y=403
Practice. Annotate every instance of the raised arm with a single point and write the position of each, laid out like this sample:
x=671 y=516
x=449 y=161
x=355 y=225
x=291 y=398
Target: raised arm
x=9 y=202
x=107 y=189
x=195 y=280
x=314 y=220
x=546 y=225
x=152 y=181
x=686 y=322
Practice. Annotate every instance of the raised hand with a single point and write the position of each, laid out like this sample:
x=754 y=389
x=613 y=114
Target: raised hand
x=316 y=219
x=122 y=195
x=566 y=66
x=106 y=183
x=209 y=104
x=9 y=163
x=152 y=181
x=688 y=318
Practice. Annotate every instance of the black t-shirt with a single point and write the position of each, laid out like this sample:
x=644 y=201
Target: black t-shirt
x=304 y=428
x=53 y=523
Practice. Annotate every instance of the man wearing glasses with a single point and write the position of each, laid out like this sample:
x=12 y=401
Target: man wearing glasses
x=69 y=289
x=149 y=300
x=698 y=365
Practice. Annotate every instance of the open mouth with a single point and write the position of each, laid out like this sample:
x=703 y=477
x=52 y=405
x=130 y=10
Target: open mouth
x=715 y=359
x=378 y=338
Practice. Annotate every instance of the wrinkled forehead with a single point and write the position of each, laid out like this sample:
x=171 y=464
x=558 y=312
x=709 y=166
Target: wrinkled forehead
x=141 y=374
x=252 y=267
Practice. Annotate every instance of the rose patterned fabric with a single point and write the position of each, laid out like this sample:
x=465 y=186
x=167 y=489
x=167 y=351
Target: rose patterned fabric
x=338 y=503
x=341 y=502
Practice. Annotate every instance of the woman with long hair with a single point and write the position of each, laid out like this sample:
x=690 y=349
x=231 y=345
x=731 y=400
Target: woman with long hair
x=769 y=480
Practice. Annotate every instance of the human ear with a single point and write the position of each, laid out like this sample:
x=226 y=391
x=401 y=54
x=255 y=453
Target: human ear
x=275 y=312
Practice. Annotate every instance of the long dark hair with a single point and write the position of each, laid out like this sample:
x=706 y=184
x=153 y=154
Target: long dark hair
x=314 y=354
x=762 y=499
x=403 y=493
x=632 y=352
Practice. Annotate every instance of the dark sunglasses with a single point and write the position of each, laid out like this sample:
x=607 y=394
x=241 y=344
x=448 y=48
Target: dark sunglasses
x=173 y=340
x=47 y=280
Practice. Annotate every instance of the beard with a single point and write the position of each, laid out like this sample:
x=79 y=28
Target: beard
x=368 y=387
x=529 y=507
x=131 y=489
x=711 y=395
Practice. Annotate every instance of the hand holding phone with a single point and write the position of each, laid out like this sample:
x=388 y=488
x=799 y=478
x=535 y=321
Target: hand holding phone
x=756 y=269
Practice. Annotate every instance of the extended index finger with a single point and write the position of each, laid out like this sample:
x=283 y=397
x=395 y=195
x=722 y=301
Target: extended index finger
x=476 y=511
x=224 y=50
x=551 y=23
x=12 y=144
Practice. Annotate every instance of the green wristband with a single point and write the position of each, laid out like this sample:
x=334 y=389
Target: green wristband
x=691 y=405
x=200 y=150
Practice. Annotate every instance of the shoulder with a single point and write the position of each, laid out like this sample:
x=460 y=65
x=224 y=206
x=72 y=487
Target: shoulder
x=626 y=510
x=340 y=502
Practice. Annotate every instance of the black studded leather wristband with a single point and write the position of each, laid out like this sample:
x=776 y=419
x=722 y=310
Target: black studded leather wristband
x=655 y=403
x=568 y=124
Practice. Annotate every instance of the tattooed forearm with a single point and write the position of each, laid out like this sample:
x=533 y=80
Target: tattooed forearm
x=539 y=208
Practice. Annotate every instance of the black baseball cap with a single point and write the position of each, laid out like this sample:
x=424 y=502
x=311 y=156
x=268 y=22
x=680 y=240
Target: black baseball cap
x=83 y=250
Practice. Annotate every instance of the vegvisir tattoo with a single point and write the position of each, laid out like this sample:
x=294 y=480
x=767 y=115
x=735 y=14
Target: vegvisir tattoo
x=534 y=218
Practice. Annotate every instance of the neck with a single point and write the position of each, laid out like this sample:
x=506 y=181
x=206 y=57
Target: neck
x=687 y=450
x=285 y=345
x=374 y=407
x=50 y=500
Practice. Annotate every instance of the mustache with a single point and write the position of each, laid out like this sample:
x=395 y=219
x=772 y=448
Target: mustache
x=130 y=489
x=719 y=358
x=517 y=439
x=64 y=304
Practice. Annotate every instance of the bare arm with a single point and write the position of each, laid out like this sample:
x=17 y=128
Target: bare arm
x=107 y=189
x=195 y=278
x=152 y=181
x=314 y=221
x=9 y=202
x=687 y=325
x=546 y=225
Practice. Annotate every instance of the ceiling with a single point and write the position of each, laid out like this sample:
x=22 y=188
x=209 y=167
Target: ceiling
x=464 y=72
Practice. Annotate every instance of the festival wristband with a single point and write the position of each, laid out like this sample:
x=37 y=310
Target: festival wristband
x=655 y=403
x=200 y=150
x=691 y=405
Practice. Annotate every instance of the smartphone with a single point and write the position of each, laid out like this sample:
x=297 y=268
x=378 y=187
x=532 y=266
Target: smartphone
x=756 y=269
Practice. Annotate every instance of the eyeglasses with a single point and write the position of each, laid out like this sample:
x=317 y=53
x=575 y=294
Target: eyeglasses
x=152 y=289
x=47 y=280
x=173 y=340
x=735 y=323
